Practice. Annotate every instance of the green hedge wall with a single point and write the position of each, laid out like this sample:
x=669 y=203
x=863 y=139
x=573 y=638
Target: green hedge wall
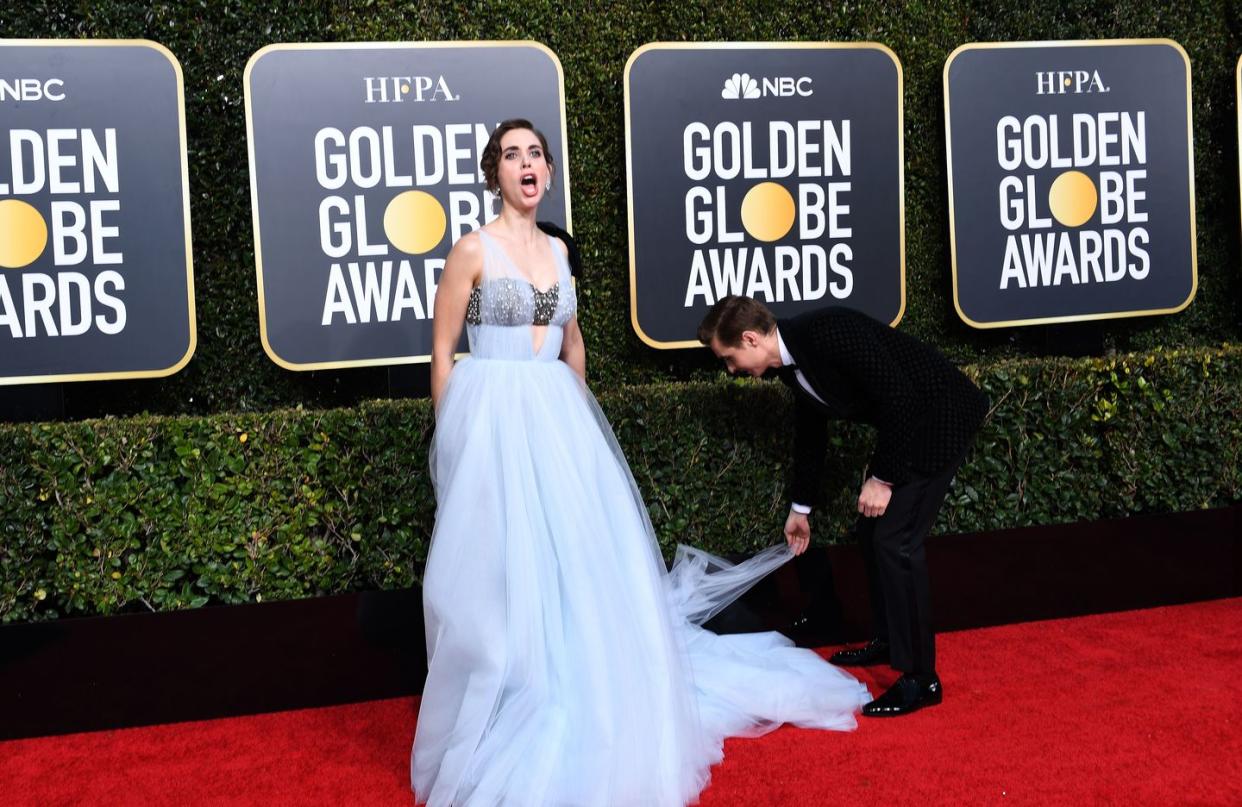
x=214 y=38
x=160 y=512
x=246 y=484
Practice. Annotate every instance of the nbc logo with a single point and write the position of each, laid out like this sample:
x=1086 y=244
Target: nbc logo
x=32 y=89
x=740 y=85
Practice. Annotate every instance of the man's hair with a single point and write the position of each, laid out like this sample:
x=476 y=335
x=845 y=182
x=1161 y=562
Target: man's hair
x=732 y=315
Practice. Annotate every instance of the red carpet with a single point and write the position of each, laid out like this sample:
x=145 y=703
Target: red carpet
x=1135 y=708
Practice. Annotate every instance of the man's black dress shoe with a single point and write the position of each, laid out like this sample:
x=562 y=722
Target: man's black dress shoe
x=908 y=694
x=873 y=652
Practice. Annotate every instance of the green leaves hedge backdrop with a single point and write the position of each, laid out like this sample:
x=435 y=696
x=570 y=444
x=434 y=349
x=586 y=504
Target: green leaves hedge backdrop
x=171 y=512
x=213 y=39
x=235 y=480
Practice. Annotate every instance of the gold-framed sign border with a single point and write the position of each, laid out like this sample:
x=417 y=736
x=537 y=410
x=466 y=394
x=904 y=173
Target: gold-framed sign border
x=1190 y=156
x=1237 y=78
x=117 y=375
x=254 y=187
x=817 y=45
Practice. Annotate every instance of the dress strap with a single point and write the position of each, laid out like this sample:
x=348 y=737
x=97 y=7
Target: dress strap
x=494 y=261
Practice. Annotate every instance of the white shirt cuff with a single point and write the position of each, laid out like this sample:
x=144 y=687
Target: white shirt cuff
x=800 y=508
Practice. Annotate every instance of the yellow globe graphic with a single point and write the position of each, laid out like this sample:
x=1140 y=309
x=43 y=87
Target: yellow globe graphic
x=414 y=222
x=1072 y=198
x=768 y=211
x=23 y=234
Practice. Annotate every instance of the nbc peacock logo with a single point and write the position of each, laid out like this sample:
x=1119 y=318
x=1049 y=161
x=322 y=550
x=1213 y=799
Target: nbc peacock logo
x=744 y=86
x=740 y=85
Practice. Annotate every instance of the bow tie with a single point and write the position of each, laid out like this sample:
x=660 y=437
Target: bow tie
x=786 y=371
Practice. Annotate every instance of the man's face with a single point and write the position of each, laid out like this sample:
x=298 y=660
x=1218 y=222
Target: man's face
x=748 y=356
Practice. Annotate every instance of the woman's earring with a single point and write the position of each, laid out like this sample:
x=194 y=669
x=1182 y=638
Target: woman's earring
x=548 y=185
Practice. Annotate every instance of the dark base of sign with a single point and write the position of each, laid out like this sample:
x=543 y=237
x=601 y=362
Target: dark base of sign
x=409 y=381
x=124 y=398
x=32 y=402
x=1032 y=573
x=1075 y=339
x=139 y=669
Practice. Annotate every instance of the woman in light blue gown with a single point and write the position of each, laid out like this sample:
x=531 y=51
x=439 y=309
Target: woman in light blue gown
x=566 y=664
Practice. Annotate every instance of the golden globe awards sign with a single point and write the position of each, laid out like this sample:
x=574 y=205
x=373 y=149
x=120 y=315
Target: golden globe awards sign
x=1071 y=191
x=364 y=171
x=768 y=170
x=95 y=270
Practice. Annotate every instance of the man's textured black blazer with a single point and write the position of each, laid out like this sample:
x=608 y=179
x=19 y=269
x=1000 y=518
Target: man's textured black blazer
x=924 y=410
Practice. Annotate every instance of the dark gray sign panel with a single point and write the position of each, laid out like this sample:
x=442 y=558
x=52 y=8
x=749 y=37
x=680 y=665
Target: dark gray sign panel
x=772 y=170
x=364 y=171
x=96 y=277
x=1071 y=180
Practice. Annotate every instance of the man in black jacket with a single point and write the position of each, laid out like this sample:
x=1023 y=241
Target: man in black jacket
x=841 y=364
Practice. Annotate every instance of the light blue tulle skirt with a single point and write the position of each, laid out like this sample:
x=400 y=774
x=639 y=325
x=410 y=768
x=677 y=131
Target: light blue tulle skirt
x=566 y=664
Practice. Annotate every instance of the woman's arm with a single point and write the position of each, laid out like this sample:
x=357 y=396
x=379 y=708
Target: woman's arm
x=462 y=268
x=573 y=352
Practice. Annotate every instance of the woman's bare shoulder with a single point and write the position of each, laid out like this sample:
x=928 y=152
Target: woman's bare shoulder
x=466 y=258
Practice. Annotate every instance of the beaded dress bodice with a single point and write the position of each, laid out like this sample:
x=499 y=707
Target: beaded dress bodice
x=505 y=306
